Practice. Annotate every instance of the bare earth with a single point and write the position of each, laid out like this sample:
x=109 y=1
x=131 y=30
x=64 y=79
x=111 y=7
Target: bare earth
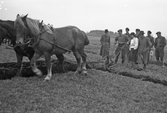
x=121 y=90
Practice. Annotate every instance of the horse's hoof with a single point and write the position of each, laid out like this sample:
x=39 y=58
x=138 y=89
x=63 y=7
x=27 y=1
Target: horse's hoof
x=75 y=73
x=79 y=72
x=47 y=78
x=39 y=73
x=85 y=73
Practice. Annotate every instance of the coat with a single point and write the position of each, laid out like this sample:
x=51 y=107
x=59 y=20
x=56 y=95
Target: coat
x=143 y=49
x=105 y=45
x=151 y=40
x=160 y=42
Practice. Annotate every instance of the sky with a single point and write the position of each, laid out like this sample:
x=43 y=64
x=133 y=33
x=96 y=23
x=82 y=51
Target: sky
x=92 y=14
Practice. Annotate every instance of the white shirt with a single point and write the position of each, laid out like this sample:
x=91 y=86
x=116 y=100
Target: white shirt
x=134 y=43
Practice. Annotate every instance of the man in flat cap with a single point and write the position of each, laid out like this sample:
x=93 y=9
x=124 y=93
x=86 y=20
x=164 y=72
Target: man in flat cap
x=121 y=40
x=152 y=42
x=105 y=44
x=160 y=43
x=127 y=34
x=105 y=47
x=137 y=33
x=144 y=47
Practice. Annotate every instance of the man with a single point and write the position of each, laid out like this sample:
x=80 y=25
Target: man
x=105 y=46
x=121 y=48
x=160 y=43
x=137 y=35
x=133 y=49
x=152 y=42
x=127 y=34
x=144 y=47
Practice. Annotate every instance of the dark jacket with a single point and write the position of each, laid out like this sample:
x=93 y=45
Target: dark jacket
x=160 y=42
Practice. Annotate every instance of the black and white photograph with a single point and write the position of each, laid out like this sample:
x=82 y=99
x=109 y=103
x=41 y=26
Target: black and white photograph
x=83 y=56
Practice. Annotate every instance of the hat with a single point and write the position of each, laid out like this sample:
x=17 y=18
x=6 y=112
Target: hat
x=137 y=29
x=120 y=30
x=158 y=32
x=127 y=29
x=106 y=30
x=142 y=32
x=149 y=32
x=132 y=34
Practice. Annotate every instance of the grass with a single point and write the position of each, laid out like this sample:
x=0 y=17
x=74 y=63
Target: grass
x=100 y=92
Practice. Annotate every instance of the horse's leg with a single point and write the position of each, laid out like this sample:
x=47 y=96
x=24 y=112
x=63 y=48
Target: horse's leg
x=78 y=58
x=19 y=64
x=84 y=56
x=61 y=61
x=34 y=66
x=49 y=66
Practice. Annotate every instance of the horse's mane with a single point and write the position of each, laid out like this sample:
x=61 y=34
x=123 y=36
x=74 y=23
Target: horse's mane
x=33 y=25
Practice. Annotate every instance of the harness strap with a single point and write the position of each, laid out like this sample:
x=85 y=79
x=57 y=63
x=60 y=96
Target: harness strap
x=54 y=44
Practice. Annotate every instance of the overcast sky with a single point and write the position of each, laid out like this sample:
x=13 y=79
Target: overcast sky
x=92 y=14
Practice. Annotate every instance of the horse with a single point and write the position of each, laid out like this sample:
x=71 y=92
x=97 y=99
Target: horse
x=7 y=29
x=47 y=42
x=3 y=35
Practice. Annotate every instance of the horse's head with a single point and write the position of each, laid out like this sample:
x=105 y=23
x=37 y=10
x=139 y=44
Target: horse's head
x=21 y=29
x=26 y=28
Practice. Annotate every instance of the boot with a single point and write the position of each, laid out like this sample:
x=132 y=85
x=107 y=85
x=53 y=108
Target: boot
x=123 y=61
x=132 y=65
x=144 y=67
x=157 y=63
x=162 y=64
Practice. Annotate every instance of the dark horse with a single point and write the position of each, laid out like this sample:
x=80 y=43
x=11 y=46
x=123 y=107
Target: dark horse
x=8 y=30
x=47 y=42
x=3 y=35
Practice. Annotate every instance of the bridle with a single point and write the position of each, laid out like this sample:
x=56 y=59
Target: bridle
x=28 y=37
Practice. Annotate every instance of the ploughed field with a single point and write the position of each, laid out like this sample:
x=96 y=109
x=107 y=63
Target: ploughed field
x=118 y=90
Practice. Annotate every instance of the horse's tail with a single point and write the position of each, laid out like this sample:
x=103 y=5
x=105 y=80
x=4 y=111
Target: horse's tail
x=86 y=39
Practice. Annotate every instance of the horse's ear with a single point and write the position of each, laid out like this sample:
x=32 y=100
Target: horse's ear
x=17 y=15
x=24 y=18
x=40 y=24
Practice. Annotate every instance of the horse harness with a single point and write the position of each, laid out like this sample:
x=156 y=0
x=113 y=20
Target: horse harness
x=39 y=38
x=54 y=44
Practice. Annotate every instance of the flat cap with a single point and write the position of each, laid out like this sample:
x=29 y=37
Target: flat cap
x=137 y=29
x=127 y=29
x=120 y=30
x=142 y=32
x=158 y=32
x=132 y=34
x=106 y=30
x=149 y=32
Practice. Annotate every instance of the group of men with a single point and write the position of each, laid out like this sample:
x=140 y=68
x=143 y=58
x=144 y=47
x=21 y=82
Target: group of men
x=134 y=46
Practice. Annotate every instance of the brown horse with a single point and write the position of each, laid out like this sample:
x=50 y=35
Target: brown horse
x=48 y=42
